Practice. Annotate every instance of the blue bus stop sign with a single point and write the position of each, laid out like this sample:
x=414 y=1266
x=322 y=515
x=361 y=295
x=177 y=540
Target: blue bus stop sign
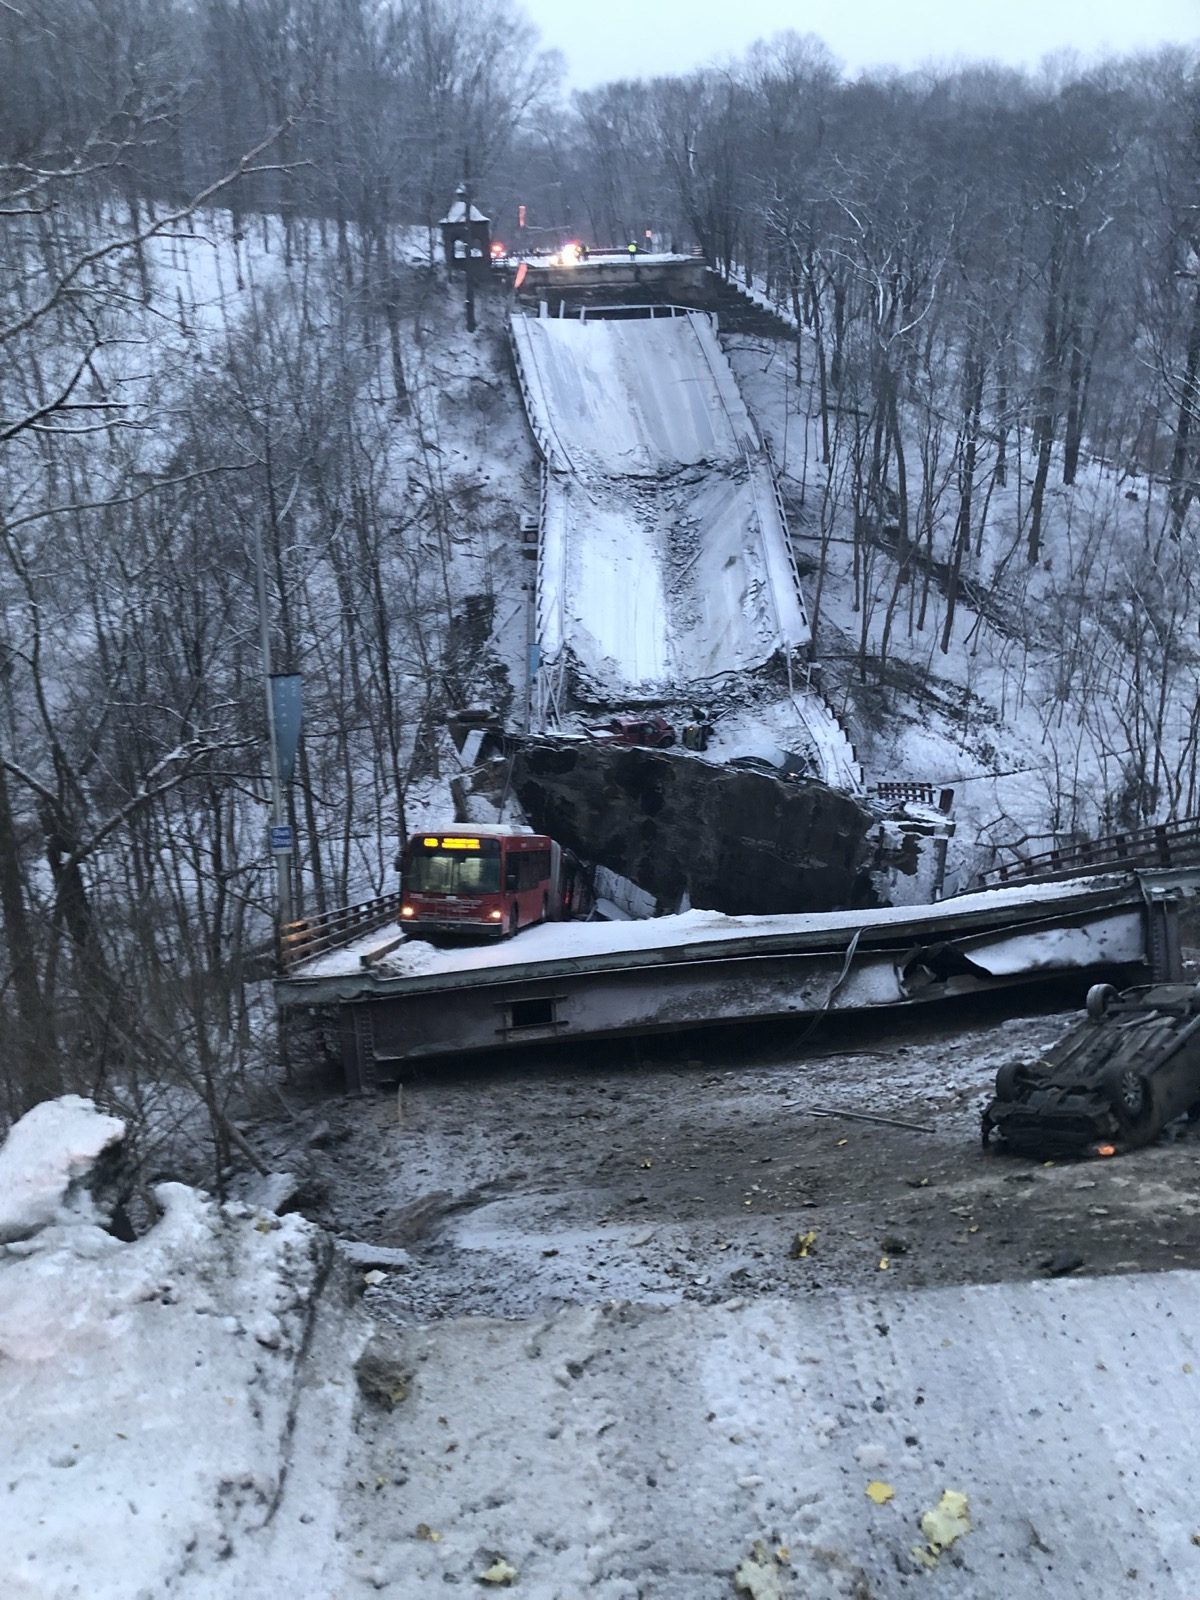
x=282 y=838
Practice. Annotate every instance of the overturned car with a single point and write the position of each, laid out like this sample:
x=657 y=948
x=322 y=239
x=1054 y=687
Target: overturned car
x=1112 y=1082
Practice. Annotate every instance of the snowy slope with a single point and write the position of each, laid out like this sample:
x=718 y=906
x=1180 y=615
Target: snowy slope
x=176 y=1409
x=1038 y=709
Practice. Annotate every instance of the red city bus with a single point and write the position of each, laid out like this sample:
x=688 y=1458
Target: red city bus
x=484 y=878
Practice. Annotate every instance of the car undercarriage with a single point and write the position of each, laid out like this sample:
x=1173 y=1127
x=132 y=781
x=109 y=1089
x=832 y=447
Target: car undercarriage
x=1127 y=1068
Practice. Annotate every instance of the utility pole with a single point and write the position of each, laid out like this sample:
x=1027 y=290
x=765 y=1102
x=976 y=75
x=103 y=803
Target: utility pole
x=470 y=261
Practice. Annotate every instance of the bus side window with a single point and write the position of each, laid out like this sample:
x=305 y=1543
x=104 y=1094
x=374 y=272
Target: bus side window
x=512 y=872
x=535 y=868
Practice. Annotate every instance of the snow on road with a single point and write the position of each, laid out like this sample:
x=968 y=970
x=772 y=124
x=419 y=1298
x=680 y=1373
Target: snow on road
x=664 y=560
x=182 y=1417
x=636 y=397
x=624 y=1452
x=554 y=941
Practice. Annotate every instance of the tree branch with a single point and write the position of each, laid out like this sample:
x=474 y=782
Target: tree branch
x=243 y=169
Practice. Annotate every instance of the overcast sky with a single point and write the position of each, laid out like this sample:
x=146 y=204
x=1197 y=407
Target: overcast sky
x=638 y=38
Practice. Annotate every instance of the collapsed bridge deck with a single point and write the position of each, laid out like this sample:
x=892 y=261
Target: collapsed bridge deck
x=664 y=556
x=395 y=1003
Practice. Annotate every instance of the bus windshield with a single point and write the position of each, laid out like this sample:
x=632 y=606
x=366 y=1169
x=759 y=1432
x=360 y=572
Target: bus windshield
x=454 y=871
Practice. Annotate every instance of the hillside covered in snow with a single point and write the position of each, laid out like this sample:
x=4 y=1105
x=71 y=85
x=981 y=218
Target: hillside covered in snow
x=911 y=499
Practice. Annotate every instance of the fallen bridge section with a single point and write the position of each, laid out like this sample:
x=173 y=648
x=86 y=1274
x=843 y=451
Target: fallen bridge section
x=585 y=981
x=664 y=558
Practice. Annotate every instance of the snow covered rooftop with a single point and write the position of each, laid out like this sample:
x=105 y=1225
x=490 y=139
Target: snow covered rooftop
x=458 y=214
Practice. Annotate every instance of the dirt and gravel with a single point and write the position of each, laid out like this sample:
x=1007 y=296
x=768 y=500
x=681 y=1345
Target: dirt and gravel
x=698 y=1169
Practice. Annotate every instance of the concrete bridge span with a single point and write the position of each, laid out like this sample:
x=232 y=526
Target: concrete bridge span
x=664 y=558
x=388 y=1003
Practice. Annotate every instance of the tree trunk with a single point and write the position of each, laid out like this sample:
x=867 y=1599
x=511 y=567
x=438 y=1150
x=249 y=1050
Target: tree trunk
x=35 y=1075
x=1183 y=488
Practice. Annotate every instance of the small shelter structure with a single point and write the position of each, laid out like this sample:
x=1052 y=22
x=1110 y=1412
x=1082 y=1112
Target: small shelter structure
x=466 y=235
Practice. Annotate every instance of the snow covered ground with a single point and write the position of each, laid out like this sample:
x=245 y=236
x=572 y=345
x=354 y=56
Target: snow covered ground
x=193 y=1413
x=1027 y=709
x=798 y=1449
x=174 y=1407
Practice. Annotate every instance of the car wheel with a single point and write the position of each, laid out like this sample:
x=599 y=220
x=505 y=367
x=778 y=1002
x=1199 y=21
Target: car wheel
x=1010 y=1078
x=1099 y=997
x=1128 y=1092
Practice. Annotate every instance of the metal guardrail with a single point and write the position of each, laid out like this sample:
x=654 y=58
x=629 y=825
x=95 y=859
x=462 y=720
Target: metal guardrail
x=550 y=679
x=1166 y=844
x=313 y=936
x=617 y=313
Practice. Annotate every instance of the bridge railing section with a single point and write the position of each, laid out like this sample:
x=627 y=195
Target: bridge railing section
x=309 y=937
x=551 y=666
x=787 y=532
x=550 y=677
x=1166 y=844
x=904 y=790
x=617 y=313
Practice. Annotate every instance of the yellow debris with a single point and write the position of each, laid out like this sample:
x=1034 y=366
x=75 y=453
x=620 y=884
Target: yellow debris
x=947 y=1521
x=500 y=1572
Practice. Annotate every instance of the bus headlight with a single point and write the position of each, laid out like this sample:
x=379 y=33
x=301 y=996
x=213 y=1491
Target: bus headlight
x=407 y=911
x=495 y=916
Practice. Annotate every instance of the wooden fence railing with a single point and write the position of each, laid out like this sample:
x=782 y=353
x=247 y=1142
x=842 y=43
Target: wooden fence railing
x=1166 y=844
x=313 y=936
x=899 y=790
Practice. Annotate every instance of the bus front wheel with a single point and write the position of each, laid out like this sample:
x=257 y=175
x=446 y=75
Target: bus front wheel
x=512 y=922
